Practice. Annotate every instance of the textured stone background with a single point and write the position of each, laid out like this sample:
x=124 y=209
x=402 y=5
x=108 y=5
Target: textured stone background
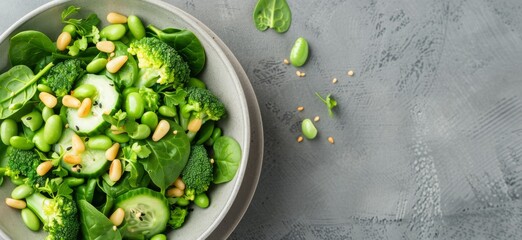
x=428 y=132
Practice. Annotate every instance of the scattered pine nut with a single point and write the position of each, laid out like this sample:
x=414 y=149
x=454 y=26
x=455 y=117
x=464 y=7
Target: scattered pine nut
x=316 y=119
x=71 y=102
x=116 y=18
x=43 y=168
x=63 y=40
x=72 y=159
x=194 y=125
x=331 y=140
x=161 y=130
x=285 y=61
x=117 y=217
x=115 y=170
x=112 y=152
x=66 y=125
x=302 y=74
x=300 y=108
x=298 y=73
x=300 y=139
x=175 y=192
x=179 y=183
x=115 y=64
x=14 y=203
x=117 y=132
x=350 y=73
x=175 y=132
x=105 y=46
x=334 y=81
x=212 y=161
x=48 y=99
x=77 y=144
x=85 y=108
x=114 y=228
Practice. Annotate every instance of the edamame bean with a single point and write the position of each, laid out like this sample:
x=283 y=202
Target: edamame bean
x=205 y=132
x=150 y=119
x=215 y=135
x=40 y=142
x=46 y=113
x=119 y=138
x=129 y=90
x=113 y=32
x=308 y=128
x=194 y=82
x=17 y=180
x=134 y=105
x=44 y=88
x=73 y=182
x=33 y=120
x=96 y=65
x=167 y=111
x=136 y=27
x=21 y=143
x=142 y=132
x=22 y=192
x=53 y=129
x=159 y=237
x=182 y=202
x=8 y=129
x=100 y=142
x=299 y=52
x=30 y=219
x=71 y=29
x=201 y=200
x=84 y=91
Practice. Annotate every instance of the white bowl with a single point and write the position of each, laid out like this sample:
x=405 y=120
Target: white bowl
x=219 y=75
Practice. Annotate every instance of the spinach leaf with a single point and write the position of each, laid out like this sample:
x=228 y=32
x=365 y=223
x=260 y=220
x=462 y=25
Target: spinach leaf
x=128 y=74
x=227 y=156
x=86 y=191
x=186 y=43
x=168 y=157
x=83 y=26
x=85 y=56
x=17 y=87
x=29 y=47
x=272 y=14
x=95 y=225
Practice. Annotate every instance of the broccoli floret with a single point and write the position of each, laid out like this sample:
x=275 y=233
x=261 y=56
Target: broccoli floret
x=198 y=173
x=201 y=105
x=177 y=217
x=61 y=77
x=23 y=163
x=159 y=63
x=59 y=215
x=150 y=98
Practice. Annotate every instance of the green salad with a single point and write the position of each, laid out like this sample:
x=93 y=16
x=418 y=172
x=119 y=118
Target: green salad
x=107 y=132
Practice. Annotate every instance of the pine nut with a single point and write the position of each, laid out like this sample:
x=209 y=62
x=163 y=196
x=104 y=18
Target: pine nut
x=179 y=184
x=194 y=125
x=114 y=65
x=175 y=192
x=300 y=108
x=117 y=216
x=72 y=159
x=115 y=18
x=43 y=168
x=117 y=132
x=14 y=203
x=105 y=46
x=115 y=170
x=331 y=140
x=48 y=99
x=285 y=61
x=112 y=152
x=300 y=139
x=161 y=130
x=316 y=119
x=85 y=108
x=71 y=102
x=350 y=73
x=77 y=144
x=64 y=39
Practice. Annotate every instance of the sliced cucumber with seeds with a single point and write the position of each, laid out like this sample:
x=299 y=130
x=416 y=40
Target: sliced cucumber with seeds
x=106 y=101
x=146 y=213
x=93 y=163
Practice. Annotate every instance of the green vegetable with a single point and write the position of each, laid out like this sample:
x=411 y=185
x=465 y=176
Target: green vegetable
x=159 y=237
x=39 y=141
x=99 y=142
x=17 y=87
x=227 y=156
x=58 y=214
x=202 y=104
x=33 y=120
x=29 y=47
x=186 y=43
x=198 y=173
x=215 y=135
x=329 y=102
x=8 y=129
x=202 y=200
x=71 y=29
x=53 y=129
x=21 y=143
x=158 y=63
x=143 y=131
x=194 y=82
x=167 y=111
x=120 y=138
x=182 y=202
x=168 y=158
x=61 y=77
x=96 y=65
x=127 y=75
x=46 y=113
x=136 y=26
x=44 y=88
x=150 y=98
x=205 y=132
x=113 y=32
x=30 y=219
x=84 y=27
x=84 y=91
x=272 y=14
x=150 y=119
x=177 y=217
x=299 y=52
x=22 y=191
x=308 y=129
x=22 y=164
x=95 y=225
x=134 y=105
x=86 y=191
x=73 y=181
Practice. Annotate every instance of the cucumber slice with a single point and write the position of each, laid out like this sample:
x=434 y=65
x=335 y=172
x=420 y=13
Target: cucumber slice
x=146 y=213
x=106 y=101
x=93 y=163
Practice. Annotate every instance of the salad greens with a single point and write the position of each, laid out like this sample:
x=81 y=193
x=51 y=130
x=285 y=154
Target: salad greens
x=329 y=102
x=122 y=143
x=272 y=14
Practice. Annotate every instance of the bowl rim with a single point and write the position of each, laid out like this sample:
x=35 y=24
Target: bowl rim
x=193 y=22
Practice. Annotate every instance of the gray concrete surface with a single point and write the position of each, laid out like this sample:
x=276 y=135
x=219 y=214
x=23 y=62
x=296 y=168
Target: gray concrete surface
x=428 y=133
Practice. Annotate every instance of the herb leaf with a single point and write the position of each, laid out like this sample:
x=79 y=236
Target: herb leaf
x=83 y=26
x=329 y=102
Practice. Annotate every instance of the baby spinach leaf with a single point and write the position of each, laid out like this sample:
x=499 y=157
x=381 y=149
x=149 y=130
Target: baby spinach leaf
x=186 y=43
x=168 y=157
x=17 y=87
x=128 y=74
x=227 y=156
x=95 y=225
x=272 y=14
x=29 y=47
